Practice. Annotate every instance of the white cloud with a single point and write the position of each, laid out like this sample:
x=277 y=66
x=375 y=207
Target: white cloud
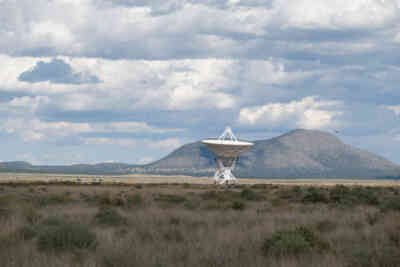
x=336 y=14
x=131 y=143
x=187 y=60
x=37 y=130
x=130 y=127
x=163 y=145
x=144 y=160
x=172 y=85
x=271 y=72
x=24 y=106
x=32 y=130
x=99 y=28
x=53 y=34
x=130 y=84
x=166 y=144
x=309 y=113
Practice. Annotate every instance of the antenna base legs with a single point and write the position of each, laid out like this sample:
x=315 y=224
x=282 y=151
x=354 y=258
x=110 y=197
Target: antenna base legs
x=224 y=176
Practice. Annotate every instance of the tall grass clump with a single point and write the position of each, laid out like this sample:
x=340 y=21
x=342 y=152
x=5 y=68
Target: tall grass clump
x=248 y=194
x=293 y=242
x=134 y=200
x=109 y=216
x=315 y=195
x=61 y=235
x=170 y=198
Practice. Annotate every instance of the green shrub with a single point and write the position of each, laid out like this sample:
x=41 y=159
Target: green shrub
x=238 y=205
x=297 y=189
x=249 y=194
x=341 y=194
x=366 y=195
x=293 y=242
x=191 y=204
x=391 y=204
x=27 y=232
x=315 y=195
x=45 y=200
x=134 y=200
x=66 y=236
x=109 y=216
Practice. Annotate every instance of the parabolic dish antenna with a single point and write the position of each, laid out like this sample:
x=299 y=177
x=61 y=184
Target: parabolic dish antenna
x=227 y=148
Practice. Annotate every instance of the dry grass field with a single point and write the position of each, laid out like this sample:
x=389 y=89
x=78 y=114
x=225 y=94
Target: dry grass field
x=157 y=179
x=183 y=224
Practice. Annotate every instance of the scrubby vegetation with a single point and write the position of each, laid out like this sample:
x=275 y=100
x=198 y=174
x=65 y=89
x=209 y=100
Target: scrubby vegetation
x=199 y=225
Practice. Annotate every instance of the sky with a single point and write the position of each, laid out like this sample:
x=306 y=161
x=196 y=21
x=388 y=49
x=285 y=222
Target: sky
x=89 y=81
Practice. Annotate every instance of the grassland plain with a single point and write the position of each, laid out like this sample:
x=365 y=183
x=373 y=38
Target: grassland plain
x=183 y=224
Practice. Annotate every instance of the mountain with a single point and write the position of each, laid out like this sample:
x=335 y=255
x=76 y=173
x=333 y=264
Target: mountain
x=101 y=168
x=296 y=154
x=15 y=166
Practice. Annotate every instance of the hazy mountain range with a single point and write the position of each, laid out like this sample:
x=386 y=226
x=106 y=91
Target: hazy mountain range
x=296 y=154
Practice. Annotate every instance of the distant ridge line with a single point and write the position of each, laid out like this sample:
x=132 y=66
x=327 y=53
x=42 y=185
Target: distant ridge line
x=298 y=154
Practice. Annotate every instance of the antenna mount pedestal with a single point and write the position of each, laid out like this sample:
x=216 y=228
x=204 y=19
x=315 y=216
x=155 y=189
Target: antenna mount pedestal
x=224 y=174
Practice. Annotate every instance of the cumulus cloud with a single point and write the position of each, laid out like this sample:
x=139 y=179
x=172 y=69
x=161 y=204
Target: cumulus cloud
x=309 y=113
x=201 y=28
x=131 y=127
x=131 y=143
x=37 y=130
x=183 y=68
x=163 y=145
x=33 y=130
x=23 y=105
x=167 y=144
x=337 y=14
x=56 y=71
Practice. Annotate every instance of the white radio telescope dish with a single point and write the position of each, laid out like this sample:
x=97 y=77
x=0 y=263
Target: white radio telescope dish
x=227 y=148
